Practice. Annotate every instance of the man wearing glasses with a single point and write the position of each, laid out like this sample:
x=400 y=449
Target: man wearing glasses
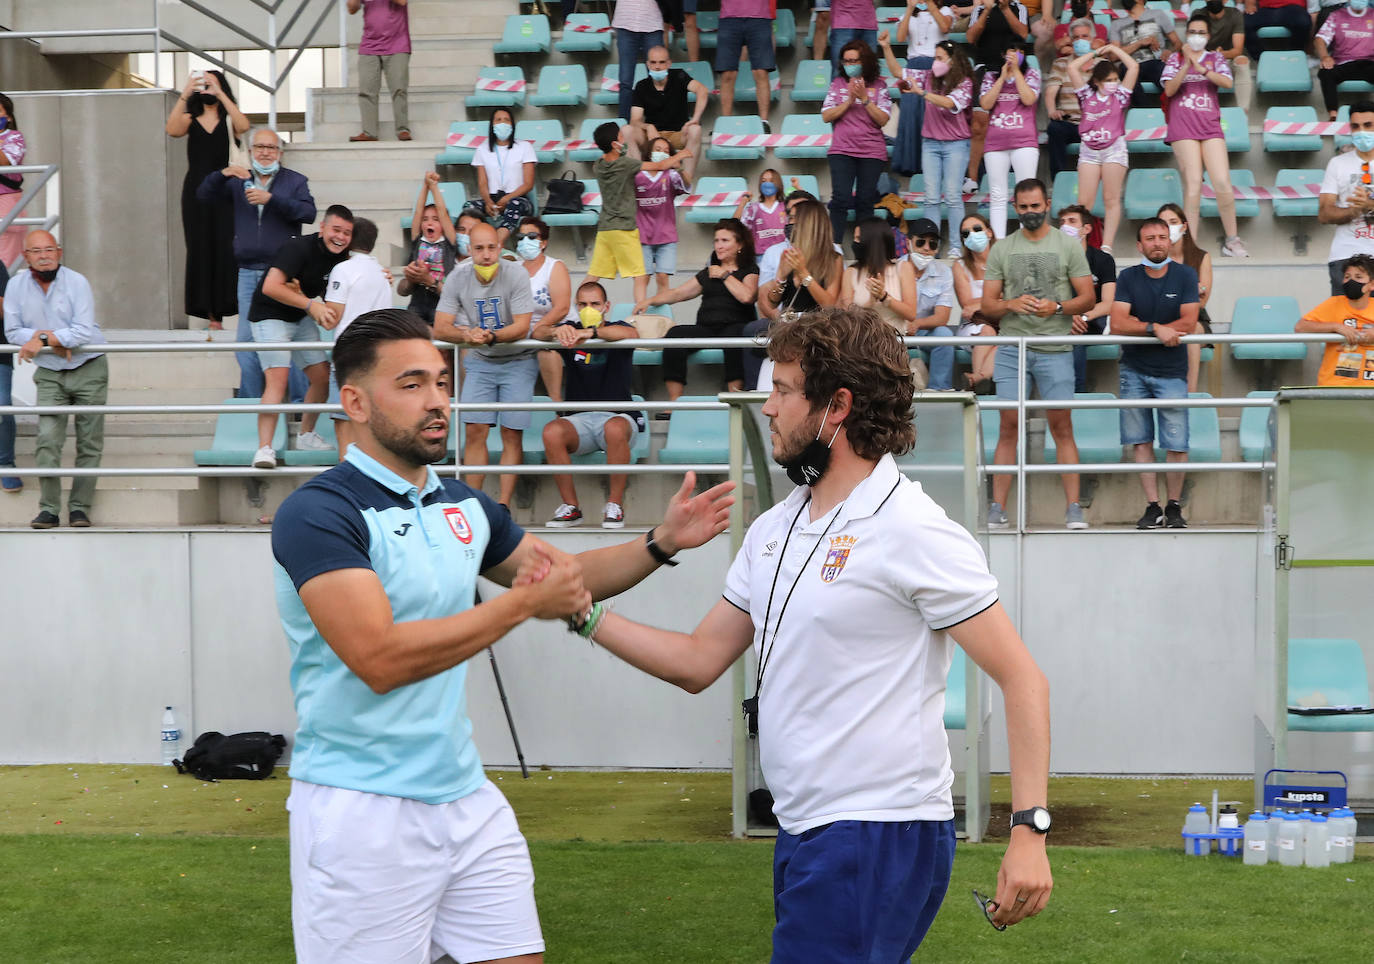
x=271 y=203
x=935 y=303
x=1347 y=196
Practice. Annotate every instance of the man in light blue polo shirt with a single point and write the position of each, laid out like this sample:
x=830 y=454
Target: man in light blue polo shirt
x=401 y=849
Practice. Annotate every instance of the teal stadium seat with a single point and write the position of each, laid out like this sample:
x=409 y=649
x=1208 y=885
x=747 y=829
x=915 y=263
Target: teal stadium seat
x=1266 y=315
x=585 y=41
x=1204 y=433
x=1328 y=672
x=325 y=427
x=1096 y=431
x=811 y=82
x=531 y=442
x=714 y=185
x=1240 y=177
x=1235 y=127
x=701 y=436
x=540 y=132
x=1064 y=191
x=1254 y=429
x=1273 y=33
x=460 y=155
x=236 y=437
x=1342 y=141
x=746 y=88
x=738 y=124
x=561 y=85
x=1144 y=119
x=1148 y=188
x=643 y=356
x=708 y=25
x=497 y=98
x=638 y=452
x=917 y=185
x=1291 y=142
x=455 y=196
x=984 y=189
x=805 y=182
x=700 y=71
x=803 y=125
x=524 y=34
x=607 y=98
x=1354 y=87
x=784 y=28
x=1282 y=71
x=893 y=90
x=590 y=153
x=589 y=214
x=1297 y=207
x=956 y=708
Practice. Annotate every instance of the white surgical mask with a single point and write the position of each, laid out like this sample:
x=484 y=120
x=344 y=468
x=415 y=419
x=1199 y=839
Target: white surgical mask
x=527 y=248
x=1110 y=86
x=1197 y=41
x=658 y=156
x=921 y=261
x=1070 y=230
x=1176 y=233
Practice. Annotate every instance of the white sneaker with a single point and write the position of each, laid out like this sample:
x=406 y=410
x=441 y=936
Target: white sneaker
x=970 y=186
x=265 y=458
x=566 y=517
x=1234 y=248
x=312 y=442
x=613 y=517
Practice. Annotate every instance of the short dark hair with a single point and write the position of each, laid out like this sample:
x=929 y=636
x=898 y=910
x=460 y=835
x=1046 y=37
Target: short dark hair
x=539 y=224
x=337 y=211
x=1150 y=223
x=1199 y=16
x=1028 y=185
x=355 y=352
x=1078 y=209
x=592 y=284
x=605 y=135
x=364 y=236
x=1359 y=107
x=1362 y=261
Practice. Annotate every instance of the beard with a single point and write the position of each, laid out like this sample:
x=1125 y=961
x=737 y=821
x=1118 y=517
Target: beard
x=406 y=442
x=789 y=447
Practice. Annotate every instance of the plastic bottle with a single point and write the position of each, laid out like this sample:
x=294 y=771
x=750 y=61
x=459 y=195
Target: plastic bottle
x=1317 y=845
x=1228 y=819
x=1197 y=822
x=171 y=738
x=1340 y=827
x=1290 y=841
x=1275 y=822
x=1305 y=816
x=1351 y=832
x=1257 y=839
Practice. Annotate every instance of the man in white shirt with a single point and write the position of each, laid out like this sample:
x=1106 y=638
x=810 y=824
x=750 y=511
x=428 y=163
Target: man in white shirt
x=1346 y=198
x=356 y=286
x=849 y=703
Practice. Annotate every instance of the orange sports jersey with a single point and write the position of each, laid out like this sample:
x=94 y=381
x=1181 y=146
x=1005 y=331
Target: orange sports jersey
x=1345 y=365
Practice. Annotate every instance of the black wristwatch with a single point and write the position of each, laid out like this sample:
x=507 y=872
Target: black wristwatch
x=1037 y=818
x=43 y=337
x=660 y=557
x=1150 y=328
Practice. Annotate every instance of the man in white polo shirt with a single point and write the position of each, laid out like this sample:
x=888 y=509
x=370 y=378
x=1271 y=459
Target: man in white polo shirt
x=357 y=286
x=851 y=591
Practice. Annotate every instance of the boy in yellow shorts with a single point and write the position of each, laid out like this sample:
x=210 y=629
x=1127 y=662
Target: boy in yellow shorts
x=1347 y=364
x=617 y=248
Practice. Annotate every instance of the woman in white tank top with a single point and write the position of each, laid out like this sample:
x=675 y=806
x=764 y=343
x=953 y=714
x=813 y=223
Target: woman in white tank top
x=969 y=272
x=551 y=289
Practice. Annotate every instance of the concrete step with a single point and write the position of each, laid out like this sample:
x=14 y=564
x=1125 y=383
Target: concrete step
x=124 y=504
x=334 y=118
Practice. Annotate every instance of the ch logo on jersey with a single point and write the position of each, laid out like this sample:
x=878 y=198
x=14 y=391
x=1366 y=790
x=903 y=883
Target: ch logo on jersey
x=836 y=558
x=459 y=524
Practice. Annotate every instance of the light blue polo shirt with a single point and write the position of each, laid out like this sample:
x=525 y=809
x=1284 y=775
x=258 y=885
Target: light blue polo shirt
x=427 y=547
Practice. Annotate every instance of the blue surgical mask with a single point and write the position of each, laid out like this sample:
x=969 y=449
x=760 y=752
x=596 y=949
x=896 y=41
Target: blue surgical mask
x=527 y=248
x=853 y=70
x=768 y=189
x=659 y=76
x=4 y=123
x=1081 y=47
x=501 y=130
x=1358 y=7
x=1145 y=260
x=1363 y=141
x=658 y=156
x=463 y=244
x=266 y=170
x=976 y=241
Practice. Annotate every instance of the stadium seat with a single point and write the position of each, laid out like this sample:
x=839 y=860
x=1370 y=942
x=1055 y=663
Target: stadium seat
x=496 y=98
x=917 y=185
x=805 y=182
x=1148 y=188
x=956 y=710
x=1297 y=207
x=1204 y=433
x=1064 y=192
x=1240 y=177
x=460 y=155
x=541 y=131
x=1342 y=141
x=455 y=196
x=591 y=152
x=697 y=436
x=1273 y=33
x=893 y=90
x=990 y=424
x=1143 y=119
x=784 y=28
x=746 y=89
x=1328 y=672
x=589 y=214
x=708 y=25
x=236 y=437
x=324 y=425
x=700 y=71
x=531 y=443
x=1266 y=315
x=803 y=124
x=1291 y=142
x=811 y=82
x=714 y=185
x=1283 y=71
x=607 y=98
x=524 y=34
x=644 y=356
x=1164 y=5
x=738 y=124
x=1354 y=87
x=561 y=85
x=1235 y=127
x=585 y=41
x=638 y=452
x=1097 y=432
x=888 y=18
x=1254 y=429
x=985 y=186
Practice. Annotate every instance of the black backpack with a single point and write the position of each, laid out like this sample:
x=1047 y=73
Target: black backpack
x=565 y=195
x=243 y=756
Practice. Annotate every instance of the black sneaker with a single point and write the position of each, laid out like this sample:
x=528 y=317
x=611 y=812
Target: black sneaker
x=1173 y=516
x=78 y=519
x=45 y=520
x=1153 y=517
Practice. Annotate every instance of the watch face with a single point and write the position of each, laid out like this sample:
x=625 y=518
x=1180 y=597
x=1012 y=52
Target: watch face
x=1040 y=819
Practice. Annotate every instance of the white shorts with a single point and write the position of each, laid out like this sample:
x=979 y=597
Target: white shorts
x=378 y=878
x=1114 y=153
x=591 y=430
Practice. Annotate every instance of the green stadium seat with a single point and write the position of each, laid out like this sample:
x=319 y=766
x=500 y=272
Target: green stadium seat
x=608 y=98
x=1328 y=672
x=1254 y=429
x=460 y=155
x=325 y=427
x=236 y=437
x=1354 y=87
x=1292 y=142
x=560 y=85
x=1204 y=433
x=1148 y=188
x=1104 y=353
x=1266 y=315
x=589 y=214
x=1273 y=33
x=811 y=82
x=1144 y=119
x=805 y=182
x=455 y=196
x=746 y=88
x=1282 y=71
x=893 y=90
x=1235 y=127
x=541 y=131
x=1096 y=431
x=524 y=34
x=589 y=154
x=1240 y=177
x=700 y=71
x=708 y=25
x=1064 y=192
x=990 y=424
x=956 y=710
x=803 y=124
x=1342 y=141
x=585 y=41
x=496 y=98
x=1164 y=5
x=697 y=436
x=738 y=124
x=714 y=185
x=1297 y=207
x=784 y=28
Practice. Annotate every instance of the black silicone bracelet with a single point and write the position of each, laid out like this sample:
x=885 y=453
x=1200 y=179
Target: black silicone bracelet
x=660 y=557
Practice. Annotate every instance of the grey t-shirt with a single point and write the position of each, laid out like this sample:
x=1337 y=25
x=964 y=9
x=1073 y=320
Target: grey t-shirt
x=491 y=306
x=1127 y=31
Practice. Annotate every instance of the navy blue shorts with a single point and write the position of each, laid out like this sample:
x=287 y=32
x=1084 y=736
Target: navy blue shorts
x=858 y=890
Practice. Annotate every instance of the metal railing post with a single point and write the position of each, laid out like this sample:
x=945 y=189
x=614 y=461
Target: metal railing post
x=343 y=43
x=1022 y=451
x=157 y=45
x=272 y=68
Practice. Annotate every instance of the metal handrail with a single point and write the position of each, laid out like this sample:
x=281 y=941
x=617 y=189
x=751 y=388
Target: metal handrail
x=45 y=174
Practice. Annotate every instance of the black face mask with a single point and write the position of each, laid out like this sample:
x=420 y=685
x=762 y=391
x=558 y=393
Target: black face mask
x=205 y=99
x=808 y=467
x=46 y=276
x=1031 y=220
x=860 y=249
x=1354 y=290
x=787 y=231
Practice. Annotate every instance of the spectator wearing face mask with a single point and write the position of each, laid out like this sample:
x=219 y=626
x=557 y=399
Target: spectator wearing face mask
x=947 y=89
x=1348 y=363
x=1102 y=102
x=970 y=269
x=765 y=218
x=1076 y=221
x=1346 y=200
x=1061 y=101
x=656 y=192
x=1227 y=37
x=12 y=150
x=505 y=176
x=1147 y=35
x=1345 y=47
x=923 y=26
x=1009 y=98
x=856 y=106
x=551 y=290
x=1184 y=250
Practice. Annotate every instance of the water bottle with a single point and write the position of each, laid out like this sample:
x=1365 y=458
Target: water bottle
x=1305 y=816
x=1341 y=830
x=1257 y=839
x=171 y=738
x=1275 y=821
x=1317 y=845
x=1290 y=841
x=1196 y=822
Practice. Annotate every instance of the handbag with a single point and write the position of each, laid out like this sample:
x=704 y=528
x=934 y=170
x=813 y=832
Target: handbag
x=565 y=194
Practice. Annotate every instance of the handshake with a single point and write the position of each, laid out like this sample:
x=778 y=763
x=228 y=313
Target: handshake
x=552 y=583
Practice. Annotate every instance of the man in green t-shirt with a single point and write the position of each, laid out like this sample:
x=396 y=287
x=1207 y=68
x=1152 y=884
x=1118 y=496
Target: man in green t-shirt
x=1037 y=279
x=617 y=248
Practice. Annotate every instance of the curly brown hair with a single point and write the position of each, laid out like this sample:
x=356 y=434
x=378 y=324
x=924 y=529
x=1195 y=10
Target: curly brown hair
x=853 y=348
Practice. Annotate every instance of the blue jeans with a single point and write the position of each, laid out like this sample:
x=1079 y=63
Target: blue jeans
x=941 y=360
x=631 y=49
x=250 y=369
x=854 y=186
x=7 y=428
x=944 y=164
x=840 y=37
x=1138 y=424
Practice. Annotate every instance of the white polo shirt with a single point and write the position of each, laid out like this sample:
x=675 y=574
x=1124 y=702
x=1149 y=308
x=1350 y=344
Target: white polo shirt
x=851 y=711
x=359 y=285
